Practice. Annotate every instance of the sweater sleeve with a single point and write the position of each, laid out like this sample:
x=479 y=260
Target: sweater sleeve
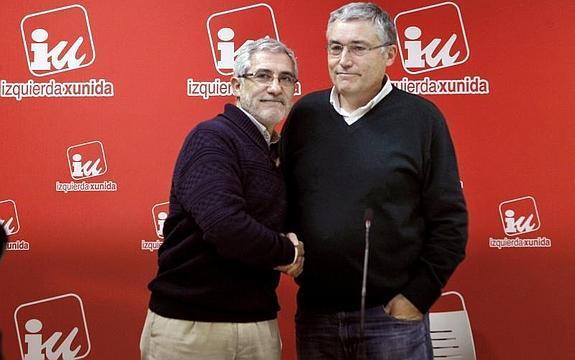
x=445 y=217
x=207 y=182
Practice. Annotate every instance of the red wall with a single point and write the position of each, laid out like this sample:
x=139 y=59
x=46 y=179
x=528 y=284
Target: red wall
x=510 y=125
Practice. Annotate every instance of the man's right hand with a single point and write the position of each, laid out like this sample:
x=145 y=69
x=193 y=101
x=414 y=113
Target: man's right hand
x=296 y=268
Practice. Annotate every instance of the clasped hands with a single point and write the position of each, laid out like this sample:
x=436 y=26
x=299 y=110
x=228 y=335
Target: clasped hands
x=296 y=268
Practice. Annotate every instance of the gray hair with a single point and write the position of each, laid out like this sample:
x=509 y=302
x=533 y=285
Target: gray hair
x=384 y=27
x=250 y=47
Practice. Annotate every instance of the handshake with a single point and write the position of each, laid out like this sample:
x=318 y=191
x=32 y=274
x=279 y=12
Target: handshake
x=294 y=269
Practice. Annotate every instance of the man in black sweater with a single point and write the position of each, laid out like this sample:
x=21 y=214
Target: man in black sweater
x=214 y=293
x=362 y=145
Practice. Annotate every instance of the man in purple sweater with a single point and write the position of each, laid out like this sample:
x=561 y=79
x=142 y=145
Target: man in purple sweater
x=214 y=293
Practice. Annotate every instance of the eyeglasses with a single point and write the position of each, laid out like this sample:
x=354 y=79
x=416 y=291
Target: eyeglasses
x=336 y=49
x=266 y=77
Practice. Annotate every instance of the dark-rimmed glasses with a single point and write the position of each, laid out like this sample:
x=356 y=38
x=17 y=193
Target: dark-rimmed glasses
x=266 y=77
x=336 y=49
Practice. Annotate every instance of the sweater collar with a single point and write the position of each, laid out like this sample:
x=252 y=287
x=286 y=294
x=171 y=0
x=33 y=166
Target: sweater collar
x=270 y=138
x=239 y=118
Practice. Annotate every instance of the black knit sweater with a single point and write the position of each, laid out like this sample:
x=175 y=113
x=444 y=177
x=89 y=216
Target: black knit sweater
x=222 y=240
x=398 y=160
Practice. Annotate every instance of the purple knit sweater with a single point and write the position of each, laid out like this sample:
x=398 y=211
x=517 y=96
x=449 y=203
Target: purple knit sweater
x=222 y=235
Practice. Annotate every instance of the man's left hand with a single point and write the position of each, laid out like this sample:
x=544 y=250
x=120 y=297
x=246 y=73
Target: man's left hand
x=402 y=309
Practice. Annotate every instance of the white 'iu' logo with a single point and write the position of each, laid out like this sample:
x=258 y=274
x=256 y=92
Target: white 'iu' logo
x=44 y=59
x=9 y=217
x=518 y=224
x=431 y=38
x=58 y=40
x=519 y=216
x=418 y=56
x=229 y=30
x=160 y=214
x=53 y=329
x=39 y=348
x=87 y=160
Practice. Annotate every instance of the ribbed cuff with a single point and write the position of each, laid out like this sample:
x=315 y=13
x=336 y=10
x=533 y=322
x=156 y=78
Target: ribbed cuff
x=422 y=290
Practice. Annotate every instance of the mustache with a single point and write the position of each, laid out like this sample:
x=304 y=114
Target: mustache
x=278 y=100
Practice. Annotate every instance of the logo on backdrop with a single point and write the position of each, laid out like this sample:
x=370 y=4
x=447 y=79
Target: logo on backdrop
x=11 y=224
x=53 y=328
x=519 y=216
x=159 y=216
x=227 y=32
x=427 y=48
x=432 y=38
x=86 y=160
x=52 y=48
x=56 y=41
x=9 y=217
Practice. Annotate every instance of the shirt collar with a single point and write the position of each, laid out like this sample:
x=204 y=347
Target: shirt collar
x=270 y=138
x=351 y=117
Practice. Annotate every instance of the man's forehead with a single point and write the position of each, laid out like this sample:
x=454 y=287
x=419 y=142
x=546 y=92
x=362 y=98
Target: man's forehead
x=353 y=30
x=267 y=60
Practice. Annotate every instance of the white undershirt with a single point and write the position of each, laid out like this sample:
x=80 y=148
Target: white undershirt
x=351 y=117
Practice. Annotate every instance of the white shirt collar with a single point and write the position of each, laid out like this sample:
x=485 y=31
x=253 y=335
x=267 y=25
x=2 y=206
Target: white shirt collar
x=355 y=115
x=270 y=138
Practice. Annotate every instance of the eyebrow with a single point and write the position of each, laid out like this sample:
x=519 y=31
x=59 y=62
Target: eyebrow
x=281 y=72
x=353 y=42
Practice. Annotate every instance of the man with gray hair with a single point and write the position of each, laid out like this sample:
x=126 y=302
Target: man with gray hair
x=367 y=161
x=214 y=293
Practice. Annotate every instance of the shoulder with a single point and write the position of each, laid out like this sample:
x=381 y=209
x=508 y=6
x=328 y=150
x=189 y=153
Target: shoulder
x=222 y=122
x=313 y=99
x=306 y=120
x=415 y=107
x=310 y=108
x=213 y=132
x=413 y=100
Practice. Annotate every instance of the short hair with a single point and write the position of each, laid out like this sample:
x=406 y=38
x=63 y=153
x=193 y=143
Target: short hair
x=250 y=47
x=384 y=27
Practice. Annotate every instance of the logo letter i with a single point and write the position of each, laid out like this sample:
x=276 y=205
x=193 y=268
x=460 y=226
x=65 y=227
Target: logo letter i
x=34 y=340
x=226 y=48
x=40 y=50
x=413 y=47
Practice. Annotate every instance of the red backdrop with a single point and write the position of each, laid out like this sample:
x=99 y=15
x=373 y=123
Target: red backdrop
x=90 y=130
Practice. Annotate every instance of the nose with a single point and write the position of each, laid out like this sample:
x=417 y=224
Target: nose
x=274 y=87
x=345 y=57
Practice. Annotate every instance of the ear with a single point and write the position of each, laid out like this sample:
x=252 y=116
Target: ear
x=391 y=55
x=236 y=85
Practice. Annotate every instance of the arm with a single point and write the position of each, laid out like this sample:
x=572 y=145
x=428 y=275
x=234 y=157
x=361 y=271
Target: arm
x=445 y=216
x=207 y=182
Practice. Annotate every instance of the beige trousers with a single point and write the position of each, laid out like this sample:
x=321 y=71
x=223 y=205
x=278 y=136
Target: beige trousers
x=173 y=339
